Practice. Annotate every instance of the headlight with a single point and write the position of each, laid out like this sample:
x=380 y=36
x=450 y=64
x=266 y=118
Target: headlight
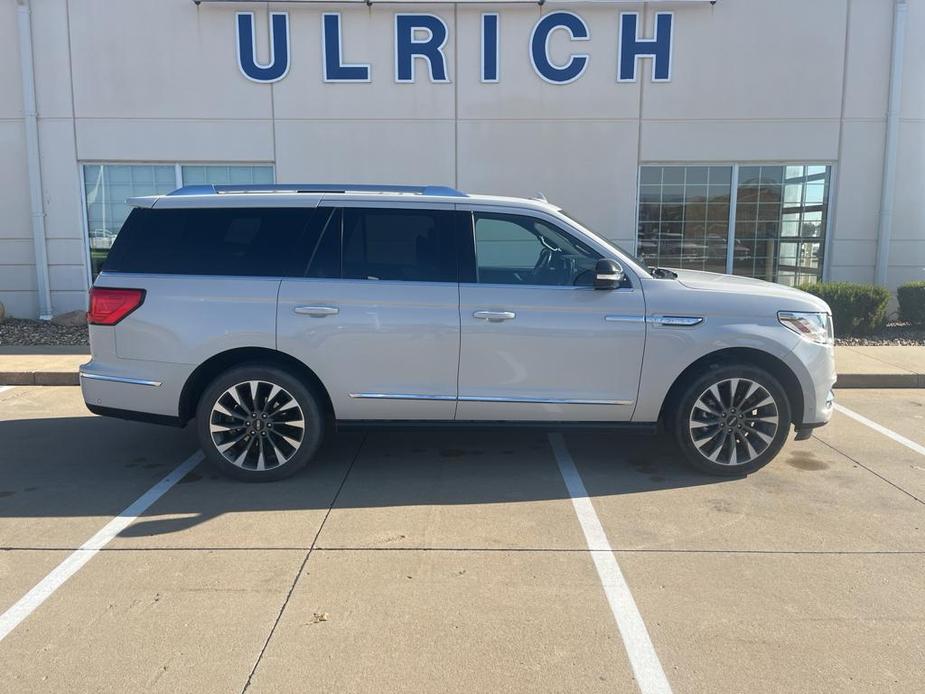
x=816 y=327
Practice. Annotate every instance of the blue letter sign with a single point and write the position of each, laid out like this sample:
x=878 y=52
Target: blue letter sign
x=332 y=48
x=490 y=72
x=408 y=46
x=278 y=66
x=632 y=48
x=539 y=47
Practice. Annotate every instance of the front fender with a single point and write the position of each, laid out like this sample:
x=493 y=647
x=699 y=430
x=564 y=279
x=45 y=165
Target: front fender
x=670 y=350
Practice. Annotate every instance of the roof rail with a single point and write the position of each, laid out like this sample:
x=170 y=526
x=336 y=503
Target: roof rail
x=444 y=191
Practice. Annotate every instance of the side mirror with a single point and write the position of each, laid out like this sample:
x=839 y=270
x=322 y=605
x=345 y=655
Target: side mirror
x=608 y=274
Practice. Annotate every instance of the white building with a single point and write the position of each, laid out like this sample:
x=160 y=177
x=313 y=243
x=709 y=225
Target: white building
x=759 y=139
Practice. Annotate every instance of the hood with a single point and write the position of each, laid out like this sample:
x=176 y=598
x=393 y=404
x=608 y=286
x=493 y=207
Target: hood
x=796 y=299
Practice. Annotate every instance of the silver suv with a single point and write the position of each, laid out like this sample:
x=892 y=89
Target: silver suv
x=273 y=314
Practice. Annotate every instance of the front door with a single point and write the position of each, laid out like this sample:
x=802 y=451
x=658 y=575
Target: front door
x=377 y=317
x=538 y=341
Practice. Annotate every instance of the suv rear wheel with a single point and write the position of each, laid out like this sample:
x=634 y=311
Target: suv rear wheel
x=732 y=420
x=259 y=423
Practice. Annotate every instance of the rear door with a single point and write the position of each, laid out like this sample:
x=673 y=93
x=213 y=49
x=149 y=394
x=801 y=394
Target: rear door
x=377 y=315
x=538 y=341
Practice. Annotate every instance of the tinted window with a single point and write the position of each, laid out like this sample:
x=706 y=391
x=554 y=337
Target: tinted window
x=515 y=249
x=399 y=244
x=260 y=242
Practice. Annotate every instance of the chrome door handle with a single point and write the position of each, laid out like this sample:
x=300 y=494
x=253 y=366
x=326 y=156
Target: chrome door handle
x=495 y=316
x=316 y=311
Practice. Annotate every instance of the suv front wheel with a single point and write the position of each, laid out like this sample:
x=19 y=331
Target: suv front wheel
x=732 y=420
x=259 y=423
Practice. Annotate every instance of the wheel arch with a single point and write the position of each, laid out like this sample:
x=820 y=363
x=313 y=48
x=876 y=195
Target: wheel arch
x=730 y=356
x=218 y=363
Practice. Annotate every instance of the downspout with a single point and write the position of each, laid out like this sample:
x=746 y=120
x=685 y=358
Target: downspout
x=30 y=118
x=885 y=234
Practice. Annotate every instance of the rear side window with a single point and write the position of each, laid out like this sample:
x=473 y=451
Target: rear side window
x=399 y=244
x=257 y=242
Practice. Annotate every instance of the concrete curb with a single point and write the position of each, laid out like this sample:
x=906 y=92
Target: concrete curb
x=880 y=381
x=39 y=378
x=70 y=378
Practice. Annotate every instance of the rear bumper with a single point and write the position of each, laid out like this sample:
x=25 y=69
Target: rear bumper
x=136 y=416
x=149 y=391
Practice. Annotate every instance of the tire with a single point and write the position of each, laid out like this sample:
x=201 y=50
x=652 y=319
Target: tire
x=271 y=447
x=732 y=420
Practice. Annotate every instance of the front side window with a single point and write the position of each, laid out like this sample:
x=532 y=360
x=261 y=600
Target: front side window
x=399 y=244
x=516 y=249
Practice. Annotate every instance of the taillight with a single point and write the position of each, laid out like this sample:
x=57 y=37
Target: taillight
x=109 y=306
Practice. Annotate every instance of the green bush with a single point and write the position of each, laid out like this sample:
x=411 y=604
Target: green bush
x=912 y=302
x=857 y=309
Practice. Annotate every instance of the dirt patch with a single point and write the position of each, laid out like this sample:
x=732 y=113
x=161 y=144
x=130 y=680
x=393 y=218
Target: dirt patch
x=804 y=460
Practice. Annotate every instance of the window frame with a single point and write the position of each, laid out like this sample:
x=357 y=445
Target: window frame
x=178 y=177
x=831 y=201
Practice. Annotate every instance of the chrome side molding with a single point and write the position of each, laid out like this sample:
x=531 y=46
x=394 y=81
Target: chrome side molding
x=675 y=321
x=120 y=379
x=400 y=396
x=625 y=319
x=541 y=401
x=487 y=398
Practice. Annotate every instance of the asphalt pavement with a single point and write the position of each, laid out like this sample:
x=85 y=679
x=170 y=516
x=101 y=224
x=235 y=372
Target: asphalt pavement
x=460 y=561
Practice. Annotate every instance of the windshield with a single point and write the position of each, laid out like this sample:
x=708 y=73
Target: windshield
x=632 y=256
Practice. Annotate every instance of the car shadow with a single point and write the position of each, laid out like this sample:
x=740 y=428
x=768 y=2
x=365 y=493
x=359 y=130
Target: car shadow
x=93 y=466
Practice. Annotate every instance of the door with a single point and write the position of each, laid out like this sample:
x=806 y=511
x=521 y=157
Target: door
x=377 y=316
x=538 y=341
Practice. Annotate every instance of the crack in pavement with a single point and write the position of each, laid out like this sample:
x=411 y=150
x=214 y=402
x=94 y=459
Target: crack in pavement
x=299 y=573
x=873 y=472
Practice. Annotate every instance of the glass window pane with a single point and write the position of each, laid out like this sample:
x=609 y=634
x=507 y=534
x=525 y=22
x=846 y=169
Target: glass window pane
x=106 y=188
x=693 y=215
x=516 y=249
x=697 y=175
x=651 y=175
x=795 y=211
x=399 y=244
x=251 y=241
x=215 y=174
x=673 y=175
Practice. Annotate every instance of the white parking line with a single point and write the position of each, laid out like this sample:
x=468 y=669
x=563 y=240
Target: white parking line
x=3 y=389
x=26 y=605
x=898 y=438
x=645 y=663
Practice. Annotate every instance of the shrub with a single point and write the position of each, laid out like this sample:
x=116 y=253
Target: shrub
x=857 y=309
x=912 y=302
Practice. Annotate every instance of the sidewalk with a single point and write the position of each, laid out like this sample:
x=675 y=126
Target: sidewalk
x=858 y=367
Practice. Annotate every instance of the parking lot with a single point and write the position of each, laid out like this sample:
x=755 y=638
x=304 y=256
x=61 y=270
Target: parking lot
x=459 y=561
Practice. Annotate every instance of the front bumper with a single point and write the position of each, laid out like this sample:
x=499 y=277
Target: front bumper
x=814 y=366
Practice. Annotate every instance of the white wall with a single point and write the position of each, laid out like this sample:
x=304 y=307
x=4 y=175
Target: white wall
x=753 y=81
x=17 y=256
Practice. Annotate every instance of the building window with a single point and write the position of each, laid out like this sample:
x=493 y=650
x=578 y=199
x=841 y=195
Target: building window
x=779 y=227
x=226 y=175
x=108 y=186
x=684 y=216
